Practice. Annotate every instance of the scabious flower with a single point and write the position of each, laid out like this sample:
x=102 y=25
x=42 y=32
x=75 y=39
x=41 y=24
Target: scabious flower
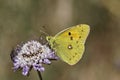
x=31 y=54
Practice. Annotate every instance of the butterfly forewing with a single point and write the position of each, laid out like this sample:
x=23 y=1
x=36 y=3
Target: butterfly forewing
x=74 y=33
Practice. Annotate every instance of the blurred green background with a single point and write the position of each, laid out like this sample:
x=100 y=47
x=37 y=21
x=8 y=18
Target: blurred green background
x=21 y=20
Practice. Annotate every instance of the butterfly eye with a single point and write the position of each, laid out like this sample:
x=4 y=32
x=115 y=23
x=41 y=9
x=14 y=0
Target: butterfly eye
x=48 y=38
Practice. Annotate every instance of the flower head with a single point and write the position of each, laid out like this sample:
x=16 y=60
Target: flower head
x=31 y=54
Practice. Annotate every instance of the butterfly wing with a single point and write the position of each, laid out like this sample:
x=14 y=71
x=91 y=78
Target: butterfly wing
x=69 y=44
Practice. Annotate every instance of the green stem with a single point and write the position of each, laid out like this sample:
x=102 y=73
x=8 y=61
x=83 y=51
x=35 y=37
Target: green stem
x=39 y=74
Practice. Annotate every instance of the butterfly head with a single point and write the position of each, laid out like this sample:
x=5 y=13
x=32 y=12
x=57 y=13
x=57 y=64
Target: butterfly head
x=50 y=40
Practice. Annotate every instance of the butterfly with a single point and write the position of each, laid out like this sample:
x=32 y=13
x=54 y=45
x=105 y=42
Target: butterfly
x=68 y=44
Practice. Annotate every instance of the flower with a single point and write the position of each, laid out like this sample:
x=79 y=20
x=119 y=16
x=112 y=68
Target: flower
x=31 y=54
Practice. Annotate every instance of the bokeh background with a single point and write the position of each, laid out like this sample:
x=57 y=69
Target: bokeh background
x=21 y=20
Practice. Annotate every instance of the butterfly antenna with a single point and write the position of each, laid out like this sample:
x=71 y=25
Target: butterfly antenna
x=43 y=32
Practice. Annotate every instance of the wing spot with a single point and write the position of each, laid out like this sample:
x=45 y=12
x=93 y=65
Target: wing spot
x=70 y=47
x=71 y=38
x=70 y=59
x=79 y=37
x=82 y=30
x=69 y=33
x=76 y=41
x=75 y=54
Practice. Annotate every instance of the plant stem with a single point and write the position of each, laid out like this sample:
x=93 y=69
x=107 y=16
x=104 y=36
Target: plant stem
x=39 y=74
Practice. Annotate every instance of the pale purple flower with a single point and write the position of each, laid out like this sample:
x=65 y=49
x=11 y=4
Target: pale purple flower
x=32 y=54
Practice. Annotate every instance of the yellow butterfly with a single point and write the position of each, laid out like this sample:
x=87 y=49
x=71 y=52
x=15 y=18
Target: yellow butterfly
x=69 y=43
